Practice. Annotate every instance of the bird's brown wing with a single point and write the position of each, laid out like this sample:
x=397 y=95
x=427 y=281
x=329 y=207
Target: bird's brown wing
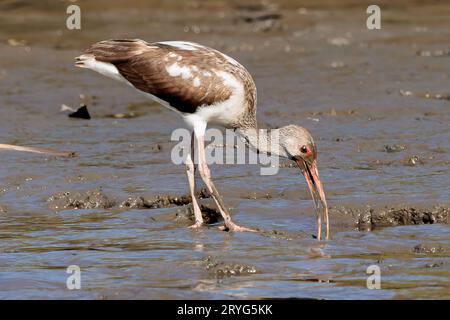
x=185 y=79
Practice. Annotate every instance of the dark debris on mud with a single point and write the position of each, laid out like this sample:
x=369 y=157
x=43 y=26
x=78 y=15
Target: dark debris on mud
x=369 y=218
x=221 y=269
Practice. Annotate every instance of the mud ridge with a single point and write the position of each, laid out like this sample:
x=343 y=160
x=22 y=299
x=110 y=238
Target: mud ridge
x=368 y=219
x=97 y=199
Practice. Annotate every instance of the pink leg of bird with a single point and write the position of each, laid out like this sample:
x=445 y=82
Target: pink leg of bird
x=190 y=171
x=206 y=176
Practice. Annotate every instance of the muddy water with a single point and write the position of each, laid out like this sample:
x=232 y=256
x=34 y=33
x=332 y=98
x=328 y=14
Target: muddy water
x=373 y=100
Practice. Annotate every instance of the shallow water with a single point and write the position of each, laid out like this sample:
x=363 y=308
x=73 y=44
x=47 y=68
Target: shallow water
x=352 y=109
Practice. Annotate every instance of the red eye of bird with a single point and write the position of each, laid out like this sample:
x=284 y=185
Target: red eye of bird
x=304 y=149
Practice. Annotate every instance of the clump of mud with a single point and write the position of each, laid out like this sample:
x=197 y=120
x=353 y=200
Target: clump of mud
x=91 y=199
x=394 y=148
x=3 y=209
x=369 y=218
x=421 y=248
x=414 y=160
x=407 y=216
x=222 y=269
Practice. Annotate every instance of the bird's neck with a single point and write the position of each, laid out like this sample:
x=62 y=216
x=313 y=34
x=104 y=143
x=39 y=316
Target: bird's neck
x=263 y=140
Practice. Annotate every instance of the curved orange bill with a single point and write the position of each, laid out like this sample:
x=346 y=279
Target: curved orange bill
x=311 y=174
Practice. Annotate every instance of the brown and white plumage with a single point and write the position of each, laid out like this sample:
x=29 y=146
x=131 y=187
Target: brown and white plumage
x=184 y=76
x=205 y=87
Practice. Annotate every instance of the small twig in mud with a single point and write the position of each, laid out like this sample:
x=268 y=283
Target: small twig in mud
x=37 y=150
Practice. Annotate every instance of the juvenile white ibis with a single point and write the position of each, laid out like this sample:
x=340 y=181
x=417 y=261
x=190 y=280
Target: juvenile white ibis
x=205 y=86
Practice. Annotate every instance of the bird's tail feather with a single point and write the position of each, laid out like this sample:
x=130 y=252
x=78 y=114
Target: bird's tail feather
x=81 y=61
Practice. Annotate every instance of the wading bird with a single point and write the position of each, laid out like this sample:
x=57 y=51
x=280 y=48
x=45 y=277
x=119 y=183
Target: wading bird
x=205 y=86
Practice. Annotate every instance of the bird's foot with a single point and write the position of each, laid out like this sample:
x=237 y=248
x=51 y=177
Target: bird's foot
x=235 y=228
x=197 y=225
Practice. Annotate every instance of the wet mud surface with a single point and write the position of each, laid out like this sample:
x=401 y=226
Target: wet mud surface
x=376 y=103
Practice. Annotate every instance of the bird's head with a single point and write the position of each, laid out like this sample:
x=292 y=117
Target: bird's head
x=299 y=146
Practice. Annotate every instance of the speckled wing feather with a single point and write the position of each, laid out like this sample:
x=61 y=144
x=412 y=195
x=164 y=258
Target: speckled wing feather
x=185 y=79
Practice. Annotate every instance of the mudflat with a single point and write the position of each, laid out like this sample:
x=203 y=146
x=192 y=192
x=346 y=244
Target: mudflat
x=377 y=103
